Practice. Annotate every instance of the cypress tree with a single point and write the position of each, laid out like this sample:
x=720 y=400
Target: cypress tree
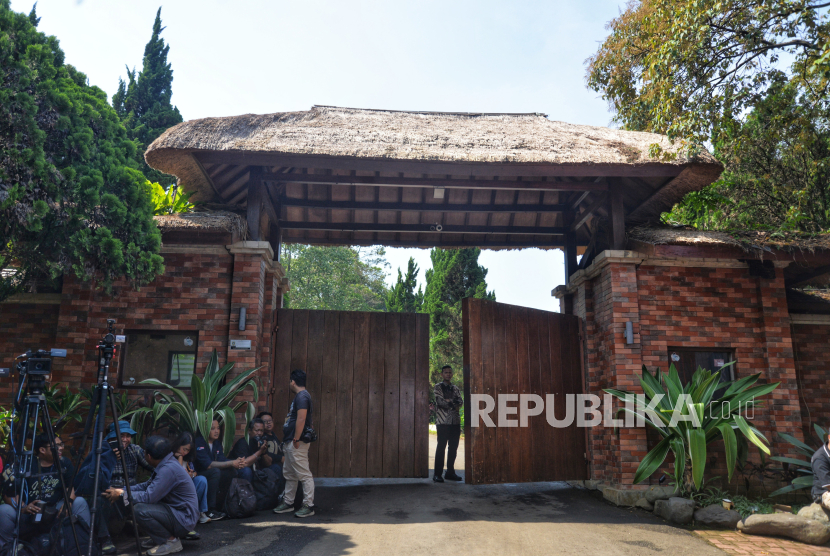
x=455 y=275
x=72 y=199
x=143 y=103
x=403 y=298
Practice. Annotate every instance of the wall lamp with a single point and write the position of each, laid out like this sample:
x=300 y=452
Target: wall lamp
x=242 y=314
x=629 y=332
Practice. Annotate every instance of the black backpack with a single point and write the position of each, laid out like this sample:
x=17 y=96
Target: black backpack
x=241 y=500
x=64 y=543
x=267 y=487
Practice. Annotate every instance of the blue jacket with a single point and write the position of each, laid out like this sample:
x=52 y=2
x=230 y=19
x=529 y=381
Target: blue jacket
x=172 y=486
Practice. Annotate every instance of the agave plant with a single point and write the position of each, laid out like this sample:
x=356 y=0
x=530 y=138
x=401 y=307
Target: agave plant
x=211 y=400
x=803 y=467
x=675 y=411
x=65 y=405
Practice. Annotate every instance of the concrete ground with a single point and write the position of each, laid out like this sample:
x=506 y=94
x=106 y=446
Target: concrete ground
x=415 y=516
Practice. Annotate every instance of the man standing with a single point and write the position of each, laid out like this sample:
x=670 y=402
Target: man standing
x=448 y=400
x=296 y=450
x=821 y=475
x=166 y=506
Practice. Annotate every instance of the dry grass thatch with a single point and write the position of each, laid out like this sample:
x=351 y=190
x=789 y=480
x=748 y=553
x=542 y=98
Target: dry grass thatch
x=208 y=221
x=746 y=240
x=410 y=136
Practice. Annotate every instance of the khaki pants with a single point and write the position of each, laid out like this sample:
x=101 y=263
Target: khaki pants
x=296 y=470
x=825 y=500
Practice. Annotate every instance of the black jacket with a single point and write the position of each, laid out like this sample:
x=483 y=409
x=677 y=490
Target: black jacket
x=821 y=472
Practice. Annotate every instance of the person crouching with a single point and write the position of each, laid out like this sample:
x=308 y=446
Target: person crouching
x=166 y=506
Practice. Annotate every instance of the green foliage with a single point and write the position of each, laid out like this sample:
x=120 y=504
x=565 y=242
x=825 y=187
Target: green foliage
x=684 y=67
x=172 y=200
x=335 y=278
x=803 y=467
x=5 y=426
x=71 y=196
x=403 y=298
x=455 y=275
x=743 y=505
x=777 y=168
x=213 y=398
x=64 y=405
x=688 y=440
x=144 y=102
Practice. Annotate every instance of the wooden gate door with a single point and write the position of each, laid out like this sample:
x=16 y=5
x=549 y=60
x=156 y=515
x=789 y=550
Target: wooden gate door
x=368 y=376
x=516 y=350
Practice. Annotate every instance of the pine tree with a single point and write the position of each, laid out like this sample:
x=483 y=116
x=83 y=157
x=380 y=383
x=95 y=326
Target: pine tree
x=144 y=102
x=72 y=199
x=402 y=297
x=455 y=275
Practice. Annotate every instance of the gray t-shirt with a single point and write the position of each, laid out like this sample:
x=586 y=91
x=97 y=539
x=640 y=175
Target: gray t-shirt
x=301 y=401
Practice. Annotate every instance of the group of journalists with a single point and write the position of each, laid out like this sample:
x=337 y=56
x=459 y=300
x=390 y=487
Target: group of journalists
x=191 y=479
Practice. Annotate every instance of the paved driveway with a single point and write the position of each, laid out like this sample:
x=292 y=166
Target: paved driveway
x=402 y=517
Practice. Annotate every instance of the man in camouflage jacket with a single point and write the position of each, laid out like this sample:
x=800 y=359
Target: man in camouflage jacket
x=448 y=400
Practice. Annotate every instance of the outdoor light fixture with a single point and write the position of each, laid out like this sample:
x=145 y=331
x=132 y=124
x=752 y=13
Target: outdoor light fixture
x=188 y=342
x=438 y=193
x=629 y=332
x=242 y=314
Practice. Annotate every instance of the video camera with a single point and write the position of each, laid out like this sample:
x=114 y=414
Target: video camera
x=39 y=362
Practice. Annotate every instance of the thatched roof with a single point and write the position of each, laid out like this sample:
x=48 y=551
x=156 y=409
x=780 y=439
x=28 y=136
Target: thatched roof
x=746 y=240
x=203 y=221
x=410 y=136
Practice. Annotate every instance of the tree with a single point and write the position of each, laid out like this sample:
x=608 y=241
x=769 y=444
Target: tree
x=403 y=298
x=144 y=102
x=684 y=67
x=455 y=275
x=777 y=168
x=335 y=278
x=71 y=196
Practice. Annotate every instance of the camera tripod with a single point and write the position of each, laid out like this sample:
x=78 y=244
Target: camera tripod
x=97 y=414
x=31 y=401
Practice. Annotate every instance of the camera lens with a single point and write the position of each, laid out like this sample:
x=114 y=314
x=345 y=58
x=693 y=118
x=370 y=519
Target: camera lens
x=109 y=338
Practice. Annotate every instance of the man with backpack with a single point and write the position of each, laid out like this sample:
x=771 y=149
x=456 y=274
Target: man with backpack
x=296 y=441
x=166 y=506
x=250 y=450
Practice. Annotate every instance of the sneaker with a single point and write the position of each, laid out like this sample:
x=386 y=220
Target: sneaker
x=305 y=511
x=204 y=518
x=451 y=476
x=148 y=543
x=169 y=547
x=192 y=536
x=214 y=515
x=437 y=479
x=107 y=547
x=284 y=508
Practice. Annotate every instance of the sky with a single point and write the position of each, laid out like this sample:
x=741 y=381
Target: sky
x=244 y=56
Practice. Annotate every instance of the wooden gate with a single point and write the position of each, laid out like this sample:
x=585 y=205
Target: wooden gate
x=368 y=376
x=515 y=350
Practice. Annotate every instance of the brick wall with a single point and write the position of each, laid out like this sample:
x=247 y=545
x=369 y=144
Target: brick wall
x=813 y=364
x=25 y=326
x=681 y=304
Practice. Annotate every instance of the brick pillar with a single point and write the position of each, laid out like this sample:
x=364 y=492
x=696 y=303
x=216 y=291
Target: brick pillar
x=783 y=408
x=251 y=261
x=72 y=334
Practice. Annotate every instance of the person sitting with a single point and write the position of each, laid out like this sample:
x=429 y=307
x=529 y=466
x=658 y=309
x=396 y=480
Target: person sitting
x=44 y=490
x=273 y=458
x=114 y=515
x=820 y=463
x=184 y=449
x=211 y=463
x=166 y=507
x=250 y=450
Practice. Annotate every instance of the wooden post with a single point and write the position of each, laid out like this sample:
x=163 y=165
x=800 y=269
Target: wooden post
x=276 y=241
x=617 y=216
x=255 y=192
x=570 y=255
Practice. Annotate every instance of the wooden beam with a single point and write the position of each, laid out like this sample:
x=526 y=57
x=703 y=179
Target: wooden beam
x=275 y=237
x=419 y=207
x=617 y=218
x=806 y=277
x=553 y=244
x=420 y=228
x=527 y=185
x=579 y=200
x=207 y=177
x=255 y=194
x=583 y=217
x=463 y=168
